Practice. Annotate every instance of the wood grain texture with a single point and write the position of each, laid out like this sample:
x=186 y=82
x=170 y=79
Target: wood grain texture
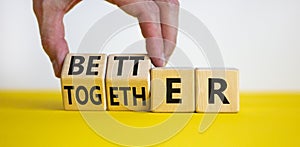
x=128 y=82
x=219 y=83
x=83 y=82
x=172 y=90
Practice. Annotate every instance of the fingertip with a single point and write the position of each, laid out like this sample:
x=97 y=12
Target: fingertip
x=58 y=62
x=57 y=69
x=157 y=62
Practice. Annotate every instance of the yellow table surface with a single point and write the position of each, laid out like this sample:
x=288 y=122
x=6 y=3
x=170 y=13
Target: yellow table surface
x=37 y=118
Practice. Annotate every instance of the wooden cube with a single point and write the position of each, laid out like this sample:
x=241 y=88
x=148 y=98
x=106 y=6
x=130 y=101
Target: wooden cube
x=217 y=90
x=172 y=90
x=128 y=82
x=82 y=82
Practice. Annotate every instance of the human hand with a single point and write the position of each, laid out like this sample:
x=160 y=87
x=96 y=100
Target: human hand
x=158 y=22
x=50 y=15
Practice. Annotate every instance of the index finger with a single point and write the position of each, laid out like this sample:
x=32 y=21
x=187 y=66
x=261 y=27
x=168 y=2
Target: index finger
x=148 y=15
x=169 y=10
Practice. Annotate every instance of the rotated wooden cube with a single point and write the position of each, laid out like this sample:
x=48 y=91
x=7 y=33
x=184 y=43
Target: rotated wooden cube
x=217 y=90
x=82 y=82
x=172 y=90
x=128 y=82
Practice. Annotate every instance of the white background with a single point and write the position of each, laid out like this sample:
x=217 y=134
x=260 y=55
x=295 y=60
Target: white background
x=259 y=37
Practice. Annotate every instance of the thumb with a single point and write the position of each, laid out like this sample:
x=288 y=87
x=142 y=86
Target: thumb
x=54 y=43
x=50 y=15
x=56 y=50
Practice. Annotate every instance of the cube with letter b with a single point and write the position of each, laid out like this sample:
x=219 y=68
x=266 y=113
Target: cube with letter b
x=128 y=82
x=217 y=90
x=82 y=82
x=172 y=90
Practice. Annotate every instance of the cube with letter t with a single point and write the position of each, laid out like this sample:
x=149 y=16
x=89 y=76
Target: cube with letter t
x=128 y=82
x=82 y=82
